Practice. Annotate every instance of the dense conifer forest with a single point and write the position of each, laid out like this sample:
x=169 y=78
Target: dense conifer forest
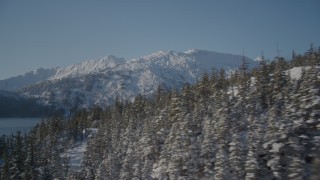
x=249 y=124
x=13 y=105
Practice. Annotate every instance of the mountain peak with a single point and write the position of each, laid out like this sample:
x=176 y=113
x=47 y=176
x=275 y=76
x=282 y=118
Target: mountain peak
x=114 y=58
x=258 y=59
x=89 y=67
x=192 y=51
x=158 y=54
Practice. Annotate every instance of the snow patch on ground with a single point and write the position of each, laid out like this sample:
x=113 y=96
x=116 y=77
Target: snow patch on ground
x=75 y=155
x=276 y=147
x=296 y=72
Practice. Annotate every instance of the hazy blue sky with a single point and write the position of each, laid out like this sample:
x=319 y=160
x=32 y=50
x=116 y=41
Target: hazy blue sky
x=54 y=33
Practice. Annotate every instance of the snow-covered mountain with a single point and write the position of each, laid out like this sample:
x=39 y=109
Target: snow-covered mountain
x=88 y=67
x=101 y=81
x=18 y=82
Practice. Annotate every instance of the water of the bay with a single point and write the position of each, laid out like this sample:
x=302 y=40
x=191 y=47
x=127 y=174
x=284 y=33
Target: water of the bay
x=13 y=125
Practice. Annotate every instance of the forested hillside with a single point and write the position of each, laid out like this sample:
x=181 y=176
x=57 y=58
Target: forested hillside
x=252 y=124
x=14 y=105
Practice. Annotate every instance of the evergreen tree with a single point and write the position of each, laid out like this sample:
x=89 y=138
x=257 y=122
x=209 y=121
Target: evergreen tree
x=5 y=169
x=30 y=162
x=262 y=85
x=208 y=148
x=17 y=167
x=236 y=157
x=220 y=166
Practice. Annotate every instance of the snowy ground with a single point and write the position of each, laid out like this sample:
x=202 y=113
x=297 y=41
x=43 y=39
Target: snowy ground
x=76 y=155
x=296 y=72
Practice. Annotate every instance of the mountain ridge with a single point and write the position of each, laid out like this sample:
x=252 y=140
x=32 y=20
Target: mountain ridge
x=17 y=82
x=100 y=82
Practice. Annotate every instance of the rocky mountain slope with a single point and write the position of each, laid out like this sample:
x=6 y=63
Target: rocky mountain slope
x=21 y=81
x=101 y=81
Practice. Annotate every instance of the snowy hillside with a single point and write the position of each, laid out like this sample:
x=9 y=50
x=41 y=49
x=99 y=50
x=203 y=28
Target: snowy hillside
x=88 y=67
x=101 y=81
x=18 y=82
x=195 y=60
